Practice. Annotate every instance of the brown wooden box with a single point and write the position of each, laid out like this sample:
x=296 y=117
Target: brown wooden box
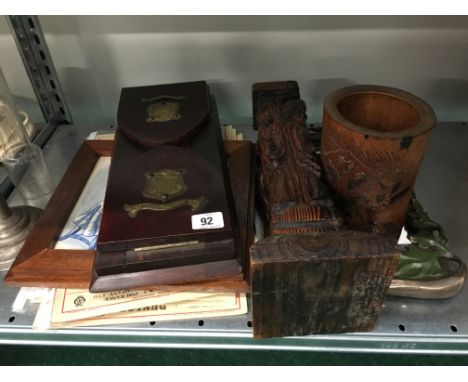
x=168 y=168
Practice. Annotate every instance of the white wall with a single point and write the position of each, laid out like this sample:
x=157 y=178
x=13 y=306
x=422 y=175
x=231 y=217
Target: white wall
x=97 y=55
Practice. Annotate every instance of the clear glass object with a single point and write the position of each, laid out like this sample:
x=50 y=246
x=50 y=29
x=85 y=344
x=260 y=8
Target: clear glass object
x=26 y=167
x=29 y=174
x=13 y=136
x=22 y=160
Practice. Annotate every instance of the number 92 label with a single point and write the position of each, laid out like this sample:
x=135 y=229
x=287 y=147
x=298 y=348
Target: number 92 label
x=213 y=220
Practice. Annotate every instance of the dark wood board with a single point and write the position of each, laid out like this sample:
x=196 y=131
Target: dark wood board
x=320 y=282
x=40 y=265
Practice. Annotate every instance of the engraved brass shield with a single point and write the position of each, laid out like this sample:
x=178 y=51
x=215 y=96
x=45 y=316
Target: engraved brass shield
x=164 y=185
x=163 y=111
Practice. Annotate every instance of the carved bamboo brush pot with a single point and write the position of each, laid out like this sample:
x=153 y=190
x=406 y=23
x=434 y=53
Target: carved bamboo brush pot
x=373 y=141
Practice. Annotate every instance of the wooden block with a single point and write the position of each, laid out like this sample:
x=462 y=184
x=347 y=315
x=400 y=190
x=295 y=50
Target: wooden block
x=320 y=282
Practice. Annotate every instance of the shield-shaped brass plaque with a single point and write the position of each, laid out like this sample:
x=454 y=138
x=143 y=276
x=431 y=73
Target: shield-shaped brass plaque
x=164 y=185
x=165 y=109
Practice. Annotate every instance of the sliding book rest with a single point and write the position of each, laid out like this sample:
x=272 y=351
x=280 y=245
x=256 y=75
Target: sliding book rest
x=168 y=212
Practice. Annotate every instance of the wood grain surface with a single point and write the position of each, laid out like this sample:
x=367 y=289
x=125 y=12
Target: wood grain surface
x=320 y=282
x=294 y=197
x=373 y=142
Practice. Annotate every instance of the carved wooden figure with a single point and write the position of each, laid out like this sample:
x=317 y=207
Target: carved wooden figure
x=295 y=200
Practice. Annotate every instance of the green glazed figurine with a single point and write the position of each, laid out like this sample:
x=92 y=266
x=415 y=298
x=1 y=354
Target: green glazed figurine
x=427 y=269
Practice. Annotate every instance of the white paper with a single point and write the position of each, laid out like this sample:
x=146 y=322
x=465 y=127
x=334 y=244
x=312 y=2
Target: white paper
x=82 y=228
x=403 y=240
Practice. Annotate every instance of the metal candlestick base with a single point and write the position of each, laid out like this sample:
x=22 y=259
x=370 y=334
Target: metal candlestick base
x=15 y=225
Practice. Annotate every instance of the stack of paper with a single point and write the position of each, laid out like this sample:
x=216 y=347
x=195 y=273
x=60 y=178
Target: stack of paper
x=78 y=307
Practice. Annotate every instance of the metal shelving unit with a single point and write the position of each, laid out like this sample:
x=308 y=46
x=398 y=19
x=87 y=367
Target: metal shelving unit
x=406 y=326
x=34 y=52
